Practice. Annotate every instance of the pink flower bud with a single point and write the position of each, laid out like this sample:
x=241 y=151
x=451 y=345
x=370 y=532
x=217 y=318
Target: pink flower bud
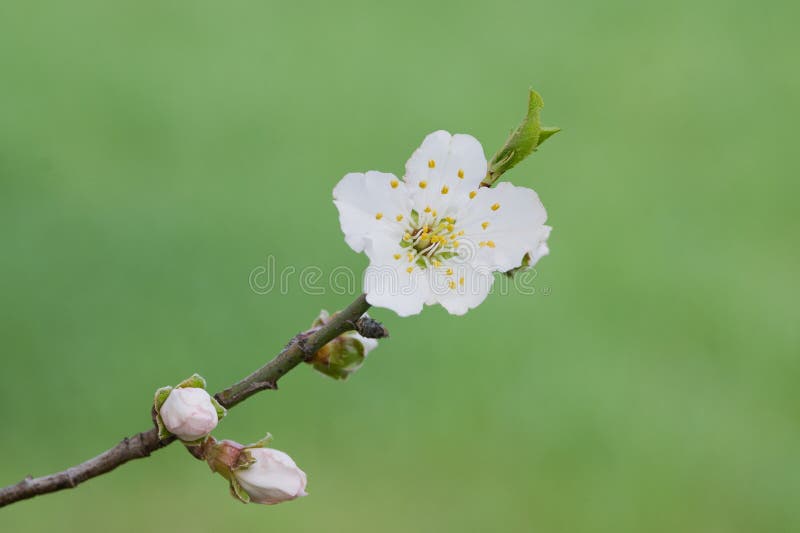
x=189 y=413
x=272 y=478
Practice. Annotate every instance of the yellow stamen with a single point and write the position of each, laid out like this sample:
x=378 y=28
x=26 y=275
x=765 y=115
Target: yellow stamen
x=495 y=207
x=434 y=212
x=485 y=225
x=452 y=284
x=482 y=244
x=425 y=228
x=437 y=263
x=449 y=272
x=431 y=163
x=450 y=227
x=460 y=173
x=427 y=209
x=455 y=243
x=460 y=281
x=410 y=257
x=378 y=216
x=406 y=237
x=399 y=218
x=472 y=194
x=410 y=270
x=460 y=233
x=445 y=190
x=423 y=184
x=490 y=244
x=394 y=184
x=397 y=256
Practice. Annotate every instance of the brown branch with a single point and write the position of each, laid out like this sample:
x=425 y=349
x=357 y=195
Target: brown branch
x=142 y=444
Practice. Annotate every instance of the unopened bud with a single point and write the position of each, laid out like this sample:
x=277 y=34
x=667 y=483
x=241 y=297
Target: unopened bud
x=187 y=411
x=272 y=478
x=342 y=356
x=189 y=414
x=256 y=474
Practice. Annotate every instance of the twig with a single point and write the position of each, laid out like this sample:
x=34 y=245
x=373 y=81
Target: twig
x=143 y=444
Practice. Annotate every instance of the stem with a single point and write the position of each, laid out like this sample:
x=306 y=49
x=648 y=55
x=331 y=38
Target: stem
x=142 y=444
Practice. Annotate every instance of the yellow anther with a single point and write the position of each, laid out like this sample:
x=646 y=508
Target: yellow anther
x=397 y=256
x=410 y=270
x=472 y=194
x=449 y=272
x=431 y=163
x=425 y=228
x=490 y=244
x=452 y=284
x=424 y=235
x=485 y=225
x=394 y=184
x=452 y=237
x=406 y=237
x=427 y=209
x=460 y=233
x=460 y=281
x=399 y=218
x=450 y=227
x=461 y=173
x=378 y=216
x=423 y=184
x=495 y=207
x=434 y=212
x=410 y=257
x=482 y=244
x=437 y=263
x=445 y=190
x=455 y=243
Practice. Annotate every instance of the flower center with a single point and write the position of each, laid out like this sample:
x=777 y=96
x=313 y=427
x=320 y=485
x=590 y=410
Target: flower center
x=430 y=239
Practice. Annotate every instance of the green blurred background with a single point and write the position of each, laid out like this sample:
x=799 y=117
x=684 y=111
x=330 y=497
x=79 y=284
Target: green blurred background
x=153 y=153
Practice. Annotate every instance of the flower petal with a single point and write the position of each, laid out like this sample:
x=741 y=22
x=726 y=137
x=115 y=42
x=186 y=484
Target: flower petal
x=368 y=206
x=388 y=283
x=466 y=288
x=444 y=169
x=503 y=224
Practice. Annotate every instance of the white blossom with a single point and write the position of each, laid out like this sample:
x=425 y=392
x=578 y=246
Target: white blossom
x=436 y=236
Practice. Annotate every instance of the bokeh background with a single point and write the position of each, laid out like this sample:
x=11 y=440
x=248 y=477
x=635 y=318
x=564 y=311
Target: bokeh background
x=153 y=153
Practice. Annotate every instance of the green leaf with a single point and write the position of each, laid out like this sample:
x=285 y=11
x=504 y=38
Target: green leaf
x=521 y=143
x=545 y=133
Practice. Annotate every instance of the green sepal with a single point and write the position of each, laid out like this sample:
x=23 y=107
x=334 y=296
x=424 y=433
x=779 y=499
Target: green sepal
x=448 y=255
x=160 y=397
x=195 y=381
x=261 y=443
x=421 y=263
x=415 y=216
x=405 y=244
x=221 y=411
x=237 y=491
x=522 y=141
x=525 y=265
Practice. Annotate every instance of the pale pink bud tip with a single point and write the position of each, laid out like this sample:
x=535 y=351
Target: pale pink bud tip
x=189 y=414
x=273 y=478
